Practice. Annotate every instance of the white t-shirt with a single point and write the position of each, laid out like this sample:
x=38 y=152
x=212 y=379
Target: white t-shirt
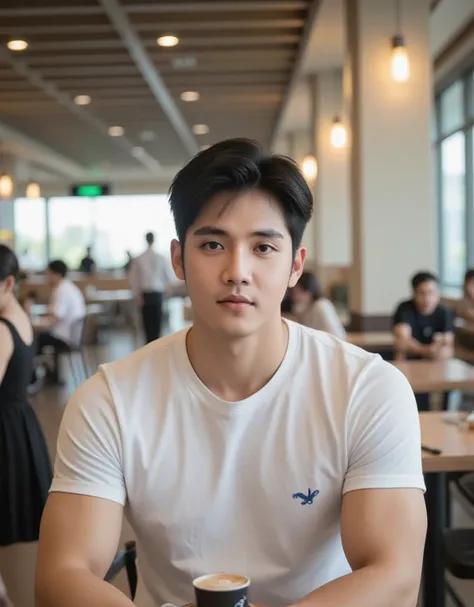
x=67 y=304
x=252 y=487
x=150 y=272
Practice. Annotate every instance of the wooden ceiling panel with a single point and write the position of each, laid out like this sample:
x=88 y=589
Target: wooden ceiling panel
x=238 y=54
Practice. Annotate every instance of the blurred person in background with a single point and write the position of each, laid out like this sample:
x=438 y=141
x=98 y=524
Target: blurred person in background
x=423 y=328
x=88 y=265
x=465 y=307
x=67 y=308
x=312 y=309
x=128 y=263
x=150 y=277
x=25 y=470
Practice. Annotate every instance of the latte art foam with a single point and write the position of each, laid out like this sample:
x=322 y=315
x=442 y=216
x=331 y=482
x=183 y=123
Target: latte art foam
x=221 y=581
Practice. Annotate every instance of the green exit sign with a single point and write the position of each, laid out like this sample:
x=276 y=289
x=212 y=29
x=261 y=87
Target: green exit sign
x=90 y=190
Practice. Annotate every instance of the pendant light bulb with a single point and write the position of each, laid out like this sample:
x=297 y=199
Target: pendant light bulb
x=338 y=133
x=400 y=63
x=33 y=190
x=6 y=186
x=309 y=166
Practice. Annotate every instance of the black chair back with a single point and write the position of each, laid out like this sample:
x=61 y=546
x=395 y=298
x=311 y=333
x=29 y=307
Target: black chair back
x=125 y=559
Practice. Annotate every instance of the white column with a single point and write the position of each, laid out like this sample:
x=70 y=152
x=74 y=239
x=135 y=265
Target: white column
x=333 y=228
x=393 y=206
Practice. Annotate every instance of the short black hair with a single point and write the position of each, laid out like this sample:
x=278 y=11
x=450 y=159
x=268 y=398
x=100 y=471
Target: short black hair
x=150 y=237
x=469 y=275
x=421 y=277
x=237 y=165
x=9 y=265
x=310 y=282
x=58 y=267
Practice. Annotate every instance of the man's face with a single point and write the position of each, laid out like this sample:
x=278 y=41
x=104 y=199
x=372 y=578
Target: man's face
x=426 y=296
x=52 y=278
x=238 y=262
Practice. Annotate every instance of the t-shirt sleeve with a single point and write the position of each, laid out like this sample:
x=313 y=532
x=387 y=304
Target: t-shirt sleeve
x=89 y=449
x=383 y=432
x=447 y=320
x=401 y=316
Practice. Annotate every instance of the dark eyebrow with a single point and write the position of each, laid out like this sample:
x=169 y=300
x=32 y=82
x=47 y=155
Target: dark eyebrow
x=213 y=231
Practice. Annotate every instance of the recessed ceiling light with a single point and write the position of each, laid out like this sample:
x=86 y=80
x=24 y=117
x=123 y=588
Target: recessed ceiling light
x=116 y=131
x=147 y=136
x=168 y=40
x=17 y=45
x=200 y=129
x=190 y=96
x=82 y=99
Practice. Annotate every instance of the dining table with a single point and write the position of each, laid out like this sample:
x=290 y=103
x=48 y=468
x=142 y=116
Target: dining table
x=450 y=435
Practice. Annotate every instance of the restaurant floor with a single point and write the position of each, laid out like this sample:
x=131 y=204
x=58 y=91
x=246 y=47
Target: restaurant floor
x=17 y=563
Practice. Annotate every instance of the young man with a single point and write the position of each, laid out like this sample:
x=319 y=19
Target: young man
x=66 y=309
x=246 y=444
x=150 y=276
x=88 y=265
x=422 y=327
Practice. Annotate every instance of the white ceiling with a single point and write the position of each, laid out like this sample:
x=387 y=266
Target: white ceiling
x=326 y=49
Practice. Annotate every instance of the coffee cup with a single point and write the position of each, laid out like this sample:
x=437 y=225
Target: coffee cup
x=221 y=590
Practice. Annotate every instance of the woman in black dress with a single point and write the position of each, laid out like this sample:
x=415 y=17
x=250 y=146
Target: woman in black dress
x=25 y=469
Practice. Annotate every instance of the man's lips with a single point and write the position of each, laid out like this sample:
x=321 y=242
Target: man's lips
x=236 y=302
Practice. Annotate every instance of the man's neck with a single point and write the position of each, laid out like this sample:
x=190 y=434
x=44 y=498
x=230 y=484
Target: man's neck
x=235 y=369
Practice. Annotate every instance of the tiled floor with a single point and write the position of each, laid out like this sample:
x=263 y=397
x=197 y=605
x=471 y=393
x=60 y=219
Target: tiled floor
x=17 y=563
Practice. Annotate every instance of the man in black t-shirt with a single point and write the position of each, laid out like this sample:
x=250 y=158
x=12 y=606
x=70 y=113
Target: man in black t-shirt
x=422 y=327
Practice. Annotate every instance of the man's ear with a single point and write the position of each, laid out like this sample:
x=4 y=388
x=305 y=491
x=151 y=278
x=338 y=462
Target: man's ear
x=298 y=265
x=177 y=260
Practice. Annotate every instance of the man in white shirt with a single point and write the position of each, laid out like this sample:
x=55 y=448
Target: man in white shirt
x=150 y=276
x=66 y=310
x=246 y=444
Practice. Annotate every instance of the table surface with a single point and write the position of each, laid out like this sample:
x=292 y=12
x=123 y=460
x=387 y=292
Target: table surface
x=456 y=444
x=369 y=339
x=43 y=309
x=109 y=296
x=437 y=375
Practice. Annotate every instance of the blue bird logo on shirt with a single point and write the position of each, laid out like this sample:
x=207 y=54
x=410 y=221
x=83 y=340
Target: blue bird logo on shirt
x=306 y=499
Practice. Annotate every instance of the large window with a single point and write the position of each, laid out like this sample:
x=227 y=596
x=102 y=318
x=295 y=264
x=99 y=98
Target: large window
x=71 y=228
x=63 y=227
x=30 y=233
x=455 y=153
x=453 y=209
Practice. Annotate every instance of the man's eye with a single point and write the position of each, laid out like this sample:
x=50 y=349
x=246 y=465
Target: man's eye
x=211 y=246
x=265 y=248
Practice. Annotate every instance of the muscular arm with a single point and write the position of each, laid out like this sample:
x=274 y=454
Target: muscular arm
x=82 y=520
x=386 y=558
x=78 y=540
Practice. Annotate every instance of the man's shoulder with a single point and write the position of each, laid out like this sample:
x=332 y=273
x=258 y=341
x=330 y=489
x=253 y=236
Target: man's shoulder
x=406 y=305
x=322 y=350
x=150 y=361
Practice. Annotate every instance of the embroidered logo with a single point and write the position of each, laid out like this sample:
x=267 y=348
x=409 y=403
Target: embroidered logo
x=306 y=499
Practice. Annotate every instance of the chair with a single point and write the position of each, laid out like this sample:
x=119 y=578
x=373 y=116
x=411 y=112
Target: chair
x=125 y=559
x=459 y=558
x=83 y=333
x=465 y=485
